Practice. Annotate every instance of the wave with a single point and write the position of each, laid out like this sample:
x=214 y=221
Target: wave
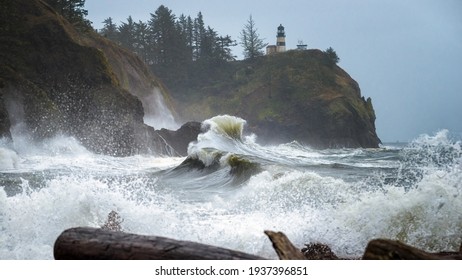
x=225 y=125
x=230 y=189
x=221 y=147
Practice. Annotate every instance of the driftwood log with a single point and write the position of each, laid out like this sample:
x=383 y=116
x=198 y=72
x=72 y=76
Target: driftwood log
x=383 y=249
x=96 y=243
x=85 y=243
x=284 y=248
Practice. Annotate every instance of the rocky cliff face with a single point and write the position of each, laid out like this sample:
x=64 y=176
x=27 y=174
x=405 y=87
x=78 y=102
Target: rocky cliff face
x=54 y=79
x=296 y=95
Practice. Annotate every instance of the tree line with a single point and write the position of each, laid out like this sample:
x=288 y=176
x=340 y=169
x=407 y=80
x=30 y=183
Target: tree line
x=179 y=50
x=175 y=47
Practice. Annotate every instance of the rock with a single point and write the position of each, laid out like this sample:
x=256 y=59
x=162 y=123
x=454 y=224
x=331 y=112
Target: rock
x=180 y=139
x=4 y=120
x=66 y=82
x=83 y=85
x=290 y=96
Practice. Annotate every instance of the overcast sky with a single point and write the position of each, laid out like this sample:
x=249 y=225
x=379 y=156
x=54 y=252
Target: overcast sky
x=405 y=54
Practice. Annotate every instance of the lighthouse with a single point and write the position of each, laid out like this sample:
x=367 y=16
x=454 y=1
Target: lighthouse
x=280 y=42
x=281 y=39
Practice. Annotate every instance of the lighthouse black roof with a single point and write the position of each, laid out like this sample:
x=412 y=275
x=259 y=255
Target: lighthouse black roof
x=281 y=32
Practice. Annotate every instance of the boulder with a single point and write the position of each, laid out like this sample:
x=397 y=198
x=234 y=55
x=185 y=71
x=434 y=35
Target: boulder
x=180 y=139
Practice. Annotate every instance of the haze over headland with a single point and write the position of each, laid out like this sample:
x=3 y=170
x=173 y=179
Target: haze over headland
x=405 y=55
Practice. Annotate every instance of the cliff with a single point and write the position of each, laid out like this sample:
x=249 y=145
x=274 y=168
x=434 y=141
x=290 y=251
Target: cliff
x=57 y=80
x=54 y=79
x=296 y=95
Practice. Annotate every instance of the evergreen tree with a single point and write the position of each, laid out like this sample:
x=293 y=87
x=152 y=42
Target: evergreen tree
x=167 y=43
x=141 y=41
x=208 y=45
x=162 y=32
x=198 y=36
x=186 y=28
x=72 y=10
x=214 y=48
x=225 y=43
x=109 y=30
x=178 y=50
x=250 y=40
x=127 y=34
x=332 y=57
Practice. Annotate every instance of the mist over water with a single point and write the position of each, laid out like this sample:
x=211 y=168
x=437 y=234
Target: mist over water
x=230 y=189
x=156 y=112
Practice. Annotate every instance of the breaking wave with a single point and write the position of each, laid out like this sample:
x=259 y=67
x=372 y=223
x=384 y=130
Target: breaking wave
x=230 y=189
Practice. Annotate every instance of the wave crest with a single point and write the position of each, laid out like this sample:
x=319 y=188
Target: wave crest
x=225 y=125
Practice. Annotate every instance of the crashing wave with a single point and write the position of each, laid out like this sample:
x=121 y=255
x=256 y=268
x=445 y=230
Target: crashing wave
x=225 y=125
x=221 y=146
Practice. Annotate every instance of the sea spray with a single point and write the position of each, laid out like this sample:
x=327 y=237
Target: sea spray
x=8 y=159
x=341 y=197
x=156 y=112
x=227 y=126
x=221 y=133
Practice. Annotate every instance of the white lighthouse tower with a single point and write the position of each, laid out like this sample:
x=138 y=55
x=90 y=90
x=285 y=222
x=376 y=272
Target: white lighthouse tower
x=281 y=39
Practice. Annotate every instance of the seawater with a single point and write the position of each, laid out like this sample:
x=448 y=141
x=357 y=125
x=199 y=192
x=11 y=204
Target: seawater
x=340 y=197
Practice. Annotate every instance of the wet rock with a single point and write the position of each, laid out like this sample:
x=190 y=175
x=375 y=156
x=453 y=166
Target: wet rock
x=66 y=82
x=180 y=139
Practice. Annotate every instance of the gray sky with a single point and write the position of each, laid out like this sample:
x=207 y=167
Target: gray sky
x=405 y=54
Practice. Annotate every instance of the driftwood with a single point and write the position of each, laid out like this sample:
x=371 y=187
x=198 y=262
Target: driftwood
x=383 y=249
x=284 y=248
x=111 y=243
x=95 y=243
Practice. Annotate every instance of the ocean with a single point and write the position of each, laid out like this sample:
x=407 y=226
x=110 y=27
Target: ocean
x=230 y=189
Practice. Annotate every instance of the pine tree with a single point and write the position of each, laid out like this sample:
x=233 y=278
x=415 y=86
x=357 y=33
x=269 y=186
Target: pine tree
x=332 y=57
x=72 y=10
x=198 y=36
x=178 y=50
x=250 y=40
x=109 y=30
x=225 y=43
x=162 y=30
x=127 y=34
x=168 y=46
x=186 y=28
x=141 y=41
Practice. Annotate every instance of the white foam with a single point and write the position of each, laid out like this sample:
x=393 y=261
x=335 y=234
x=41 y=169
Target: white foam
x=8 y=159
x=306 y=205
